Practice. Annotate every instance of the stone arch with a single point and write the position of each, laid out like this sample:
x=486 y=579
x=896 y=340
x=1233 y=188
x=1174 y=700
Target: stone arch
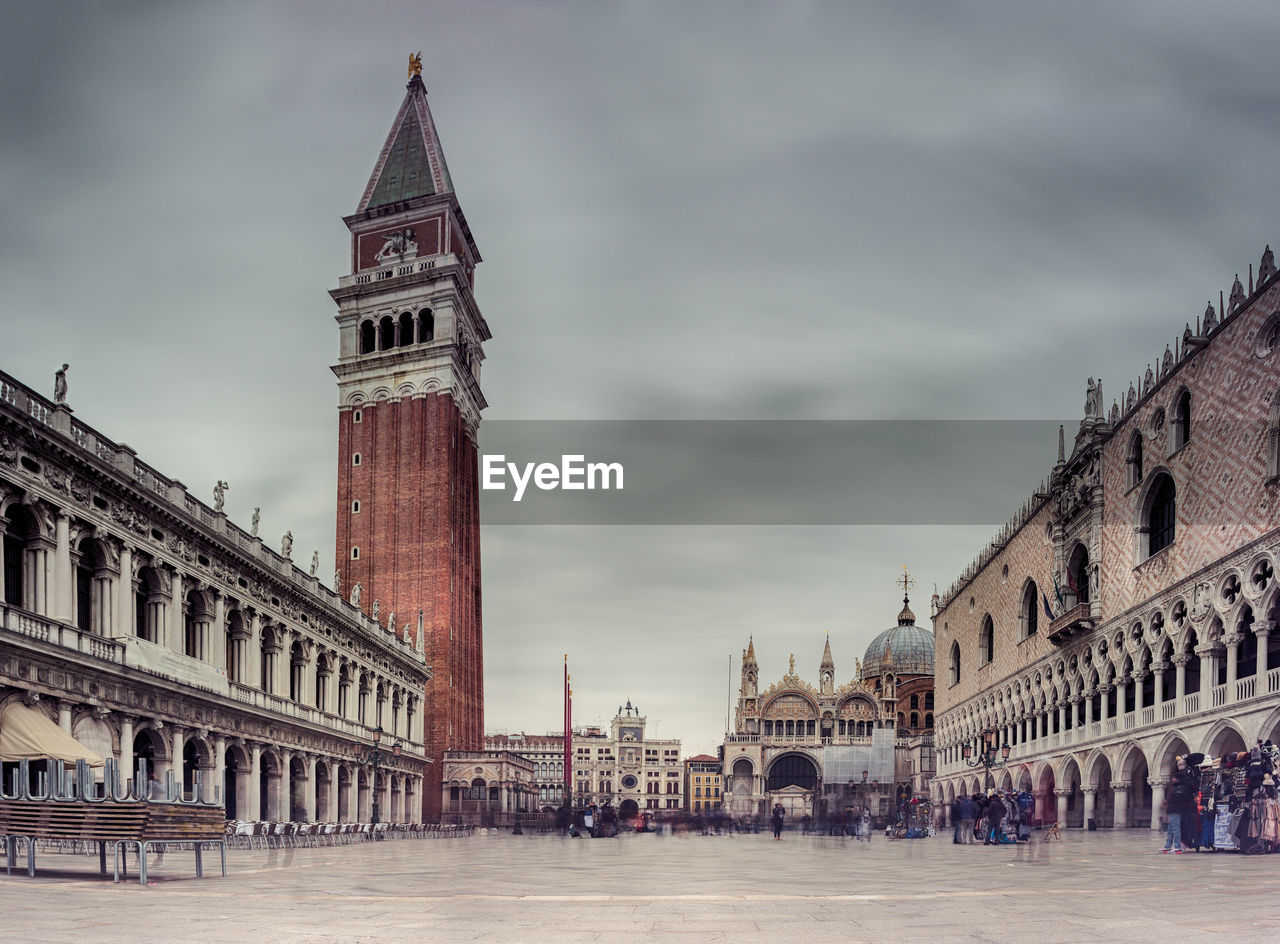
x=791 y=709
x=94 y=733
x=1225 y=735
x=235 y=786
x=1134 y=770
x=272 y=778
x=197 y=755
x=1170 y=746
x=1071 y=780
x=793 y=768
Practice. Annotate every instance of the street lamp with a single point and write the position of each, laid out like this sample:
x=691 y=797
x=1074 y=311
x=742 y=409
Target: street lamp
x=375 y=756
x=987 y=759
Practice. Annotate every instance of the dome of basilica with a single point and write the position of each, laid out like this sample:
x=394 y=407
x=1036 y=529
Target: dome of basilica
x=910 y=647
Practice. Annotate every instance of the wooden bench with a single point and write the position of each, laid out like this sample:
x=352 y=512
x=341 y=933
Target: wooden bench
x=145 y=825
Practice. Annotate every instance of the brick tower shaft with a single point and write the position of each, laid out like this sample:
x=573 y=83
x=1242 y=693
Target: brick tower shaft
x=410 y=349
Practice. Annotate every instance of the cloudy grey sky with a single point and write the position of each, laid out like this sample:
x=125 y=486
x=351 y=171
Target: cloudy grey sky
x=687 y=211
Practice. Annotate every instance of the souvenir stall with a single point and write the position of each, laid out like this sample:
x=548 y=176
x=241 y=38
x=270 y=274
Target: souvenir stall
x=1237 y=802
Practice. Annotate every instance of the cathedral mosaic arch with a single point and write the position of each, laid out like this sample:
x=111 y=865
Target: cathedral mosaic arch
x=792 y=770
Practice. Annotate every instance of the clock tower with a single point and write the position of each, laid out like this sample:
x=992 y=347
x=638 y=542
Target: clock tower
x=410 y=348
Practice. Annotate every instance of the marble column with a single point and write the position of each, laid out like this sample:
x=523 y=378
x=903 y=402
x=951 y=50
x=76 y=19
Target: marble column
x=177 y=742
x=218 y=789
x=1158 y=785
x=332 y=794
x=309 y=795
x=1088 y=708
x=1090 y=804
x=176 y=634
x=1180 y=678
x=126 y=751
x=216 y=647
x=64 y=715
x=126 y=612
x=253 y=645
x=64 y=584
x=1208 y=675
x=1063 y=796
x=353 y=795
x=253 y=796
x=1262 y=629
x=1232 y=642
x=283 y=792
x=1121 y=793
x=1157 y=696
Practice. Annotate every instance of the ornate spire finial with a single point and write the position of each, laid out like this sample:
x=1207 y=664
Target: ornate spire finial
x=906 y=581
x=415 y=64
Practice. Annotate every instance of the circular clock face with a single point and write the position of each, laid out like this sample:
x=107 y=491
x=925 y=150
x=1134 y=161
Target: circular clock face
x=629 y=782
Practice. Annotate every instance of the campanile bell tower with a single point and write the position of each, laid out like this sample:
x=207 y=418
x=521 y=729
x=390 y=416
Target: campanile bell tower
x=411 y=342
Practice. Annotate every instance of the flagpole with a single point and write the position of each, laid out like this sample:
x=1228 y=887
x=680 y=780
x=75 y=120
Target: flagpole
x=568 y=736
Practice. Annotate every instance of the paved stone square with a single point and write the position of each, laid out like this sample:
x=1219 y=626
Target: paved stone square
x=682 y=889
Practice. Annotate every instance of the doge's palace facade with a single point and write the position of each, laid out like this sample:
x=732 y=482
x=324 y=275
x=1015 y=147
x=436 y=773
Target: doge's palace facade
x=1127 y=612
x=146 y=624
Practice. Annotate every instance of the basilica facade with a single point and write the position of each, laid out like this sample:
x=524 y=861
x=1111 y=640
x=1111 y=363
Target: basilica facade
x=816 y=749
x=1126 y=613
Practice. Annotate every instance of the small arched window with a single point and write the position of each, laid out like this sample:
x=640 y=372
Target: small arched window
x=368 y=341
x=1030 y=615
x=1135 y=460
x=928 y=721
x=386 y=333
x=1078 y=573
x=1182 y=420
x=986 y=641
x=406 y=330
x=1161 y=515
x=955 y=664
x=426 y=326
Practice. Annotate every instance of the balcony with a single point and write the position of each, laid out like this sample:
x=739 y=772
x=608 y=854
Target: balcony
x=61 y=634
x=1073 y=622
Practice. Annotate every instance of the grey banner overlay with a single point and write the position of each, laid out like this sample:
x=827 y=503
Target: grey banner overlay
x=905 y=472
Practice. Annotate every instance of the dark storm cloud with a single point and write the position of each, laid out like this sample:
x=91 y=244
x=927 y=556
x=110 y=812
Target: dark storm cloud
x=774 y=212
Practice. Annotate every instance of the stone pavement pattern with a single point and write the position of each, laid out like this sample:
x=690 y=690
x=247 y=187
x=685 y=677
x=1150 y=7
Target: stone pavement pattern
x=684 y=889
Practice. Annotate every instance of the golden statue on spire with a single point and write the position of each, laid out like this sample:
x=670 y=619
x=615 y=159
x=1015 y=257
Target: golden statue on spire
x=415 y=64
x=906 y=581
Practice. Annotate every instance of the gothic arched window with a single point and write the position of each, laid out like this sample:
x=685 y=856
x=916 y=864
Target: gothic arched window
x=1078 y=573
x=1159 y=519
x=987 y=641
x=1135 y=460
x=955 y=663
x=1030 y=615
x=1182 y=420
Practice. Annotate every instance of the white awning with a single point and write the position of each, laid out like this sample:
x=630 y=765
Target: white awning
x=27 y=734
